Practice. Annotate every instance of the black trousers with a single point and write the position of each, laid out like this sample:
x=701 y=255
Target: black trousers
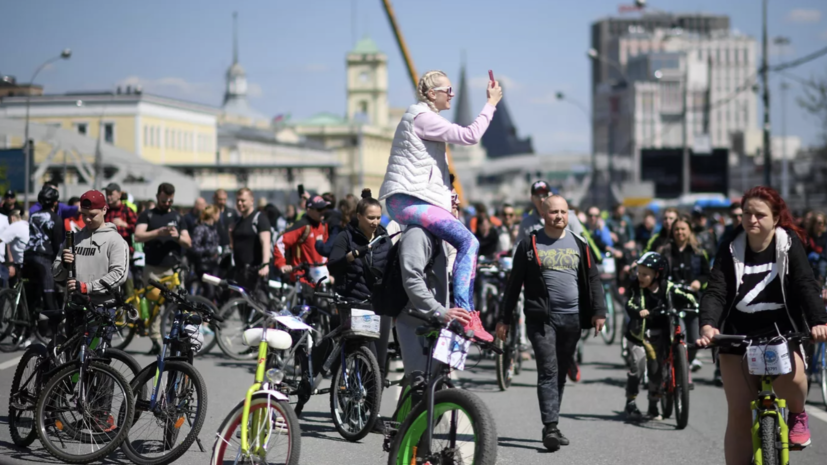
x=555 y=344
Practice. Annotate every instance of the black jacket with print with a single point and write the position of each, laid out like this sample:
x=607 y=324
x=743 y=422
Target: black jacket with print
x=528 y=273
x=803 y=294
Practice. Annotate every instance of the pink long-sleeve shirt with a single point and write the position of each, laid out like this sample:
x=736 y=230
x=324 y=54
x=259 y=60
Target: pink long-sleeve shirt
x=430 y=126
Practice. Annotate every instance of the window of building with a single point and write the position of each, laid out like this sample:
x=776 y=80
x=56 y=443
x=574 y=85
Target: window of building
x=166 y=138
x=82 y=128
x=109 y=132
x=146 y=136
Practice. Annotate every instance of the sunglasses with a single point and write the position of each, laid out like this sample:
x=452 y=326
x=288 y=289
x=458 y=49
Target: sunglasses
x=448 y=90
x=594 y=216
x=455 y=199
x=508 y=215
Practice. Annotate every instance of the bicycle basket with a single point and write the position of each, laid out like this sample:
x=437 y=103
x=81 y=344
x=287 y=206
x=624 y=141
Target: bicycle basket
x=358 y=322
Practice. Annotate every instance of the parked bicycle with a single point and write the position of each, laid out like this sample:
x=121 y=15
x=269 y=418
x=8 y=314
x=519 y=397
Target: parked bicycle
x=39 y=362
x=86 y=407
x=356 y=385
x=263 y=428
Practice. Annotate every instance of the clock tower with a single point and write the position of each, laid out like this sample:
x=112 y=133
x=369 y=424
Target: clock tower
x=367 y=84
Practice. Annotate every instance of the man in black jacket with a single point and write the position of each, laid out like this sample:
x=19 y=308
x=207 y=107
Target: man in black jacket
x=563 y=294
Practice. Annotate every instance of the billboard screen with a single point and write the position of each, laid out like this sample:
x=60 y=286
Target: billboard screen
x=709 y=171
x=12 y=170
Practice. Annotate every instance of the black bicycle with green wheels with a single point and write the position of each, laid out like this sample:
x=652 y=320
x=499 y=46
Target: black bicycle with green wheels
x=445 y=425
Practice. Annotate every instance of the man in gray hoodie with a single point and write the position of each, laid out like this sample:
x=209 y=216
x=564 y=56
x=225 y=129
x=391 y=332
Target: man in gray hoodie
x=101 y=254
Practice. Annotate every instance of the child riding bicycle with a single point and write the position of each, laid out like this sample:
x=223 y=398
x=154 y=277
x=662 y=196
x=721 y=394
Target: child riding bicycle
x=647 y=332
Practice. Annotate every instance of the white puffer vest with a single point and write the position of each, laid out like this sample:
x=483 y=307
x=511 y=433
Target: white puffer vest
x=417 y=167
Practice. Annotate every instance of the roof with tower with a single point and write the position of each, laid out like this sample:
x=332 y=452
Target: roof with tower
x=463 y=115
x=366 y=46
x=235 y=95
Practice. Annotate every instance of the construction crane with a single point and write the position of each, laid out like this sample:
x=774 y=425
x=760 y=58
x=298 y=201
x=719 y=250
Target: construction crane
x=415 y=81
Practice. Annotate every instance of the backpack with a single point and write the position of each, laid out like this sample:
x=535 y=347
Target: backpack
x=388 y=293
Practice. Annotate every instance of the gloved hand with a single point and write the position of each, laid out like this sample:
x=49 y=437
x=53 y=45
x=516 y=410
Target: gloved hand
x=813 y=257
x=360 y=251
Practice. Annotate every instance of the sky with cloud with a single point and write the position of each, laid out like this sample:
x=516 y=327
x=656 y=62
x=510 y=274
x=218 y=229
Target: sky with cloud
x=294 y=52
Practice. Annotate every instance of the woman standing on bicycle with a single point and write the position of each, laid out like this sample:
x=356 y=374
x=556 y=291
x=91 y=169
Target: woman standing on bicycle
x=688 y=265
x=761 y=285
x=416 y=184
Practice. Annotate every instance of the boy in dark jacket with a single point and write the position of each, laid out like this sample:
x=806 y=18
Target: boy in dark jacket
x=647 y=331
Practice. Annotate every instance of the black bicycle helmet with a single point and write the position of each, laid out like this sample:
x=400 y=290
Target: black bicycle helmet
x=654 y=261
x=48 y=196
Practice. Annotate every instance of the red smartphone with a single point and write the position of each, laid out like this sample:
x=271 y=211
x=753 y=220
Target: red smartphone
x=491 y=75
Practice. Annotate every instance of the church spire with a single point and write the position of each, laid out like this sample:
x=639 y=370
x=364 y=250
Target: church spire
x=235 y=37
x=463 y=115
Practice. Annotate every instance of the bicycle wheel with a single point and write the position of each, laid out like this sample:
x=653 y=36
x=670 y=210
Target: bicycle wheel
x=507 y=361
x=180 y=409
x=208 y=330
x=123 y=362
x=273 y=433
x=5 y=316
x=463 y=432
x=93 y=432
x=610 y=328
x=356 y=394
x=681 y=389
x=25 y=386
x=769 y=435
x=238 y=317
x=17 y=320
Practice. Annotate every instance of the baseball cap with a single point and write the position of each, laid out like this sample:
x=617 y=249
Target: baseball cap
x=92 y=200
x=698 y=211
x=113 y=187
x=542 y=186
x=317 y=203
x=9 y=194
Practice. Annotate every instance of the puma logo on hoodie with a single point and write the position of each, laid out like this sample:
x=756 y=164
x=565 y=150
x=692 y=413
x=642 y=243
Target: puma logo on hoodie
x=101 y=255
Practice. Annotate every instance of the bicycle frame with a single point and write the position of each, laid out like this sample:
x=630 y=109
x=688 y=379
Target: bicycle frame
x=431 y=383
x=172 y=281
x=768 y=404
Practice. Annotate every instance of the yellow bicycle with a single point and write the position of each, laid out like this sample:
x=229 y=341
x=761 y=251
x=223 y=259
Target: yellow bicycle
x=126 y=330
x=767 y=357
x=269 y=428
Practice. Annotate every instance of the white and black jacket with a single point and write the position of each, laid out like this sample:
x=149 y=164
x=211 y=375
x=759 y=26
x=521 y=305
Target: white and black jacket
x=801 y=292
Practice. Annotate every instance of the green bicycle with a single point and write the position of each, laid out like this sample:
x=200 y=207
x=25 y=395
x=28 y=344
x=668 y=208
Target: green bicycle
x=269 y=428
x=768 y=357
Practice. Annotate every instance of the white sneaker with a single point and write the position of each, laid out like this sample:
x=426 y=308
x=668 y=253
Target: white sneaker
x=697 y=364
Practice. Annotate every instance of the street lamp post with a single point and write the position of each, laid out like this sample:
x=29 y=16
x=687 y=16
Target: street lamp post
x=563 y=98
x=64 y=55
x=783 y=42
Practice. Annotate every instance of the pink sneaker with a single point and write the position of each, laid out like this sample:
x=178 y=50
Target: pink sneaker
x=799 y=429
x=476 y=326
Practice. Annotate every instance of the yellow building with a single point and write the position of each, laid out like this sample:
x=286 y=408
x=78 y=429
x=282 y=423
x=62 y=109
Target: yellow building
x=157 y=129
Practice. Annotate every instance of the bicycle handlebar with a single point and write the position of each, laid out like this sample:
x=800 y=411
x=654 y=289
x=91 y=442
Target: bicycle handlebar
x=224 y=284
x=183 y=301
x=438 y=320
x=131 y=312
x=737 y=340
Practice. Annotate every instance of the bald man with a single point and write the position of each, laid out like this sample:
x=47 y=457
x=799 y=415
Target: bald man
x=563 y=295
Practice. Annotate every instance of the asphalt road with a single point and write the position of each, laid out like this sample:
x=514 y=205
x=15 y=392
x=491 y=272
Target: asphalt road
x=591 y=418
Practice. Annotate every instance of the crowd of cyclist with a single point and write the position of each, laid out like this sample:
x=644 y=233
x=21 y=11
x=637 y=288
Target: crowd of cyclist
x=749 y=269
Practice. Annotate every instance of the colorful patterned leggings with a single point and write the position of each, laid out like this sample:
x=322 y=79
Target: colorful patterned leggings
x=408 y=210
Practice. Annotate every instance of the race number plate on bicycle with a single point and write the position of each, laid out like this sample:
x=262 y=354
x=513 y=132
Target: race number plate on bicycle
x=293 y=323
x=609 y=265
x=451 y=349
x=769 y=359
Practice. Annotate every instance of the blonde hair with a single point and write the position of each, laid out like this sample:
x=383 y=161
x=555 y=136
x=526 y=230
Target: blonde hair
x=208 y=213
x=426 y=83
